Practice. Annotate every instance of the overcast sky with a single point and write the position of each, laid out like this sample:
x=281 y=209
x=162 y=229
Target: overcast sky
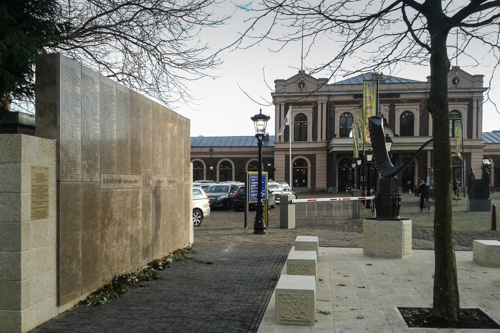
x=224 y=108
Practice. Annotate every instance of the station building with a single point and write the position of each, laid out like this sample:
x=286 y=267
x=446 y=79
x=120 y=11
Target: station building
x=322 y=116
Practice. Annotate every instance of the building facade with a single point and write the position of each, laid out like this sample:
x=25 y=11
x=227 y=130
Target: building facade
x=320 y=140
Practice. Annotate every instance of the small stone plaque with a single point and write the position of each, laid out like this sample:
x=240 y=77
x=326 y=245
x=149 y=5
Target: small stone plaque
x=164 y=182
x=39 y=193
x=113 y=181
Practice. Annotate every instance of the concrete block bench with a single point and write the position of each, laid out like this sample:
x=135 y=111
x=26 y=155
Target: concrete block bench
x=486 y=252
x=295 y=298
x=302 y=263
x=387 y=238
x=306 y=243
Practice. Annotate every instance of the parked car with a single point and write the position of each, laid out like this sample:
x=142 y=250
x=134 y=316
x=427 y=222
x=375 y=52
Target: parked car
x=277 y=190
x=204 y=185
x=201 y=205
x=285 y=185
x=239 y=200
x=221 y=194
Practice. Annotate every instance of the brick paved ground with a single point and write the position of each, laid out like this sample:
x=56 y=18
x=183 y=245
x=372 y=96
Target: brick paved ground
x=226 y=284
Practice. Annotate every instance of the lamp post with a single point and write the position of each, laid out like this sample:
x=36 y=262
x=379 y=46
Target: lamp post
x=260 y=122
x=358 y=162
x=211 y=170
x=368 y=158
x=388 y=142
x=353 y=165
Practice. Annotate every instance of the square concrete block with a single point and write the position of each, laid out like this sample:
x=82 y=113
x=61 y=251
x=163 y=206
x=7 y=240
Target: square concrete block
x=306 y=243
x=486 y=252
x=302 y=263
x=387 y=238
x=295 y=297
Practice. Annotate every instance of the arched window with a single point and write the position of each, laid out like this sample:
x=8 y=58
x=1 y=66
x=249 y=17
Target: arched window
x=455 y=120
x=300 y=167
x=225 y=171
x=345 y=124
x=253 y=166
x=300 y=127
x=198 y=170
x=406 y=124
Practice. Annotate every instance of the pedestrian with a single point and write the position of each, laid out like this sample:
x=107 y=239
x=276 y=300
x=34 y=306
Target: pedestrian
x=423 y=191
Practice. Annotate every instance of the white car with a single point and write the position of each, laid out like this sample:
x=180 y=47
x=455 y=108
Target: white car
x=201 y=205
x=276 y=189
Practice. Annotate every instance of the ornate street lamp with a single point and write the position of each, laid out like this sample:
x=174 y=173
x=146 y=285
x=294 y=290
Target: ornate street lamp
x=359 y=161
x=486 y=161
x=369 y=157
x=260 y=122
x=388 y=142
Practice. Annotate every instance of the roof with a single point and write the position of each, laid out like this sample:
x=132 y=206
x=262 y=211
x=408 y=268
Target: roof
x=491 y=137
x=368 y=76
x=230 y=141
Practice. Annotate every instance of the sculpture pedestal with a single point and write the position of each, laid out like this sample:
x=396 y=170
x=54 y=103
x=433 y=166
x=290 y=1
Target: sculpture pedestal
x=478 y=205
x=387 y=238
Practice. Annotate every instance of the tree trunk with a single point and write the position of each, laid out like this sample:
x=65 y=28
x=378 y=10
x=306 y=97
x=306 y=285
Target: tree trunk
x=446 y=294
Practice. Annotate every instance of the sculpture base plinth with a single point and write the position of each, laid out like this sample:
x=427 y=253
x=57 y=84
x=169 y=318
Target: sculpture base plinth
x=478 y=205
x=387 y=238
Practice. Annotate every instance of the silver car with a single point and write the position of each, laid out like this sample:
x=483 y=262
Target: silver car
x=201 y=206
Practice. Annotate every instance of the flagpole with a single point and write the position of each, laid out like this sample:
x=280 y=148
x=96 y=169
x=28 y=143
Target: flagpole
x=290 y=153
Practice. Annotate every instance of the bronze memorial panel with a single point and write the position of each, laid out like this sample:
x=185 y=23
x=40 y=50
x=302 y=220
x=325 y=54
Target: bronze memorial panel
x=70 y=121
x=39 y=193
x=107 y=101
x=90 y=126
x=122 y=130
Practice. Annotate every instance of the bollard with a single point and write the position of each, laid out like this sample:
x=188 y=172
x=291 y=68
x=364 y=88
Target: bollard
x=494 y=217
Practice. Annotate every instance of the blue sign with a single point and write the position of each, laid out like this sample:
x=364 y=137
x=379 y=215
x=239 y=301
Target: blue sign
x=253 y=186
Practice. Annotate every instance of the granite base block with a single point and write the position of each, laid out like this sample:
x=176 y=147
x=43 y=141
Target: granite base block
x=295 y=297
x=387 y=238
x=486 y=252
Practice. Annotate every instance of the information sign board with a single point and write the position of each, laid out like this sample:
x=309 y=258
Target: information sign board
x=253 y=186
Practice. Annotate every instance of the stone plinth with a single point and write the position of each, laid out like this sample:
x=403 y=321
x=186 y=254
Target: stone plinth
x=296 y=300
x=28 y=238
x=306 y=243
x=302 y=263
x=486 y=253
x=478 y=205
x=387 y=238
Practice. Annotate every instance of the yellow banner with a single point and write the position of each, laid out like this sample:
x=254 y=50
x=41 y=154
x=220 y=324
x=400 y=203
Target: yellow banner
x=359 y=121
x=355 y=153
x=369 y=106
x=458 y=138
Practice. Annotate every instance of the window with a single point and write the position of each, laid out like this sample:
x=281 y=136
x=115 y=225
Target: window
x=300 y=127
x=345 y=124
x=225 y=171
x=406 y=124
x=253 y=166
x=198 y=170
x=455 y=120
x=300 y=173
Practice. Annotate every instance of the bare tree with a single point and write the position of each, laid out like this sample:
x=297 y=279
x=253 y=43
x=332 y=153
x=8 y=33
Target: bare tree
x=152 y=46
x=387 y=34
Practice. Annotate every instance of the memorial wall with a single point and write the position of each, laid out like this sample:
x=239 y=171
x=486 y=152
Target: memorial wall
x=123 y=175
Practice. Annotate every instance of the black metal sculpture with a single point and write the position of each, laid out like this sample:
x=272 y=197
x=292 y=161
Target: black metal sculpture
x=387 y=199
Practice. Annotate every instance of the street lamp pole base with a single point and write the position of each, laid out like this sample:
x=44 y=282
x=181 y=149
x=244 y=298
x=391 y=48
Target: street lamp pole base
x=260 y=232
x=259 y=228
